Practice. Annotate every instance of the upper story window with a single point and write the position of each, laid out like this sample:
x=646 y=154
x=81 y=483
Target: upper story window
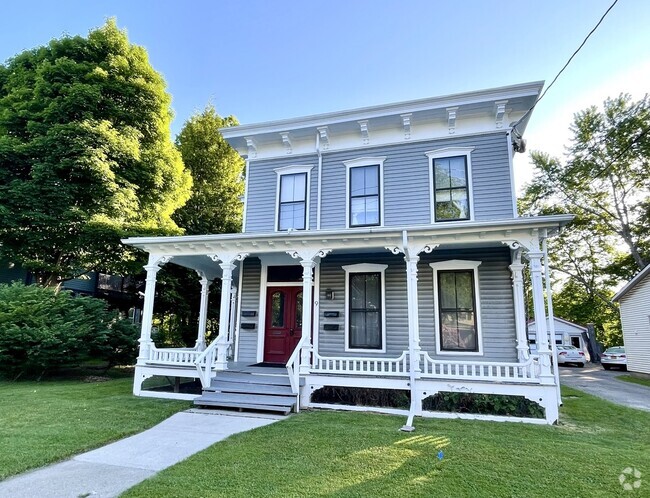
x=451 y=193
x=293 y=198
x=365 y=190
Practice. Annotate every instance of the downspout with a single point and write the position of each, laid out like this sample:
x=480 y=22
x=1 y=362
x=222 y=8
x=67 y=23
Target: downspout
x=320 y=174
x=551 y=319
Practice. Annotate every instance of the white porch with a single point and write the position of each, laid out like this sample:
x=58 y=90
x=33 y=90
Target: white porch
x=307 y=370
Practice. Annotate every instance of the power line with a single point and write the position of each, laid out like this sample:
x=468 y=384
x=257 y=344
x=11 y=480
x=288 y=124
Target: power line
x=514 y=127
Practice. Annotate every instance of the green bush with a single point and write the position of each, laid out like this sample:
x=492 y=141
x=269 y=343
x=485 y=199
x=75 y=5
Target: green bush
x=42 y=330
x=487 y=404
x=362 y=396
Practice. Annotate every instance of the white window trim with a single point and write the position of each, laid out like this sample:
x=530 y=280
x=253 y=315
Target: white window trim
x=360 y=162
x=292 y=170
x=441 y=154
x=457 y=264
x=365 y=268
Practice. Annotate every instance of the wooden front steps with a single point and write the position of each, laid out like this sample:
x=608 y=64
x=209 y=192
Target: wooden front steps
x=246 y=390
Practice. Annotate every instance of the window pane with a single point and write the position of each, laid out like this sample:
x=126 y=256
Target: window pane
x=292 y=187
x=373 y=291
x=277 y=309
x=457 y=172
x=357 y=329
x=464 y=291
x=292 y=215
x=357 y=291
x=442 y=178
x=365 y=311
x=372 y=180
x=299 y=310
x=364 y=181
x=373 y=330
x=364 y=211
x=357 y=182
x=449 y=330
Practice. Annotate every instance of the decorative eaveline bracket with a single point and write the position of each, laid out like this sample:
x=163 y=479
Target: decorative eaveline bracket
x=156 y=261
x=412 y=250
x=228 y=258
x=308 y=254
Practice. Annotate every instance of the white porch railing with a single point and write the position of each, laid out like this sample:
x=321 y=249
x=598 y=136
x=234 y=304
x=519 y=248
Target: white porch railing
x=173 y=356
x=293 y=365
x=479 y=370
x=364 y=366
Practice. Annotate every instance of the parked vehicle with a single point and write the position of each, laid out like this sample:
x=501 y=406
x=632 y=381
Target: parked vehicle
x=614 y=357
x=567 y=355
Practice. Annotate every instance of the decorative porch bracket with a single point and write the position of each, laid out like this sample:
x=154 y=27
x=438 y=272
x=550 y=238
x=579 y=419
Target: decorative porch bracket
x=307 y=259
x=152 y=267
x=227 y=265
x=411 y=253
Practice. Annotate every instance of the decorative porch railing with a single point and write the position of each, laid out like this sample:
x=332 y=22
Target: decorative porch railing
x=364 y=366
x=173 y=356
x=293 y=365
x=479 y=370
x=213 y=358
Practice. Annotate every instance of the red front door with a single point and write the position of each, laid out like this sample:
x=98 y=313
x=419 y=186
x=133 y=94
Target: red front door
x=283 y=323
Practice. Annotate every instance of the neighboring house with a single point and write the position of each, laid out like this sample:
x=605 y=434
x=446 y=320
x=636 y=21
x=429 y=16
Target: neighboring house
x=566 y=333
x=119 y=292
x=381 y=248
x=634 y=302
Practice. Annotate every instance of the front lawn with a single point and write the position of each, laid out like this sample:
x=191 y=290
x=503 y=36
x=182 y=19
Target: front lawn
x=357 y=454
x=43 y=422
x=634 y=380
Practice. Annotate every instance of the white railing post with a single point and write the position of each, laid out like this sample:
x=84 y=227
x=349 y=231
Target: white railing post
x=145 y=341
x=203 y=312
x=545 y=375
x=517 y=268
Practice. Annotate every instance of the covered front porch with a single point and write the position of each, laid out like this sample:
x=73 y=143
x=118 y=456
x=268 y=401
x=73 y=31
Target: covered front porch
x=308 y=367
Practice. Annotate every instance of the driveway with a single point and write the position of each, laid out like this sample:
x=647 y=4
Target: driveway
x=593 y=379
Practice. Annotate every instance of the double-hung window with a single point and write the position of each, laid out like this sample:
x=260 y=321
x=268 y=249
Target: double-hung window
x=293 y=197
x=365 y=191
x=451 y=189
x=365 y=307
x=457 y=309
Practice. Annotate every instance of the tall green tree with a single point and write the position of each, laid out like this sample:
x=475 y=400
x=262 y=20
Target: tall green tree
x=603 y=181
x=86 y=155
x=214 y=207
x=217 y=170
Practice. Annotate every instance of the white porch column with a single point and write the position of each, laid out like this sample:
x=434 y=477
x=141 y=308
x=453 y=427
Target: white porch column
x=546 y=376
x=308 y=262
x=308 y=266
x=517 y=269
x=413 y=312
x=224 y=313
x=152 y=268
x=203 y=311
x=551 y=319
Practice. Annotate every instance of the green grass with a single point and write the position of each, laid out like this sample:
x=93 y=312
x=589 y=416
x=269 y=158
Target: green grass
x=634 y=380
x=44 y=422
x=359 y=454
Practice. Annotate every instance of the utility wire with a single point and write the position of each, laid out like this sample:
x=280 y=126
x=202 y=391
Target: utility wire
x=514 y=127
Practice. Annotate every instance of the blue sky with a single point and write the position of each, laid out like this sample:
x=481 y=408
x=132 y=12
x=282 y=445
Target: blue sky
x=265 y=60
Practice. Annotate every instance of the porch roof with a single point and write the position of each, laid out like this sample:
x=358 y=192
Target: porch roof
x=519 y=232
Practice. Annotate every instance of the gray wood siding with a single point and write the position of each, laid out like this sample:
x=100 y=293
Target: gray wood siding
x=407 y=183
x=495 y=289
x=635 y=320
x=250 y=301
x=262 y=186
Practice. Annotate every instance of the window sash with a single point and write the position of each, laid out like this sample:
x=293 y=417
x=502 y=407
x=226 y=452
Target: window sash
x=458 y=329
x=451 y=188
x=365 y=311
x=292 y=211
x=364 y=199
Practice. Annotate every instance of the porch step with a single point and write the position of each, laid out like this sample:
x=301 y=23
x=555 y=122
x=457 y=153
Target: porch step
x=249 y=391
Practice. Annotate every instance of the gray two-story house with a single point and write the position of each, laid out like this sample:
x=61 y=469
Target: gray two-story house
x=381 y=248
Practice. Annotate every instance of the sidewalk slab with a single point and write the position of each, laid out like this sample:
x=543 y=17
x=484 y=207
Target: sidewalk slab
x=112 y=469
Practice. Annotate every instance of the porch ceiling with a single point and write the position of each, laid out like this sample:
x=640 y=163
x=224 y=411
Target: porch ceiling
x=191 y=250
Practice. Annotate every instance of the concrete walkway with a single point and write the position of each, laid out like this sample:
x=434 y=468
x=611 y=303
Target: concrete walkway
x=112 y=469
x=593 y=379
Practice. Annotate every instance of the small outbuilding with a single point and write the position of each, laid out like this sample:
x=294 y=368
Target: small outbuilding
x=566 y=333
x=634 y=301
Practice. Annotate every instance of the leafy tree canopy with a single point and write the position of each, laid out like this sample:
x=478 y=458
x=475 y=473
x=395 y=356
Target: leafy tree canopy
x=85 y=155
x=603 y=180
x=216 y=168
